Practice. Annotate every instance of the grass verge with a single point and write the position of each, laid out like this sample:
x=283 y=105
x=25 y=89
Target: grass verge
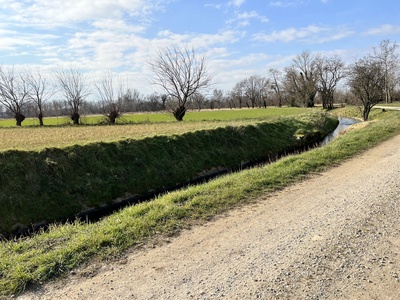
x=64 y=247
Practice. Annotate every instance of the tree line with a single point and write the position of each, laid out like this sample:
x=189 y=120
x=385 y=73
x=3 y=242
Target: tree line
x=183 y=76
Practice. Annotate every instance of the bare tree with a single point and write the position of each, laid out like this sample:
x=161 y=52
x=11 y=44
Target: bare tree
x=277 y=85
x=199 y=99
x=14 y=92
x=301 y=78
x=367 y=82
x=132 y=99
x=111 y=91
x=75 y=89
x=218 y=97
x=181 y=73
x=329 y=72
x=238 y=93
x=40 y=91
x=389 y=59
x=255 y=89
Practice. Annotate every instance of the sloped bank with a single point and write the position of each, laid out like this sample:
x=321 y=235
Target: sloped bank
x=56 y=184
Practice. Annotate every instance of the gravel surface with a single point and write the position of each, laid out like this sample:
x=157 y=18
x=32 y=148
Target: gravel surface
x=333 y=236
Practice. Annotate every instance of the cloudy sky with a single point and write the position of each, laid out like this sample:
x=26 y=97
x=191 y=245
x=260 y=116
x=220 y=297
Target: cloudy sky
x=241 y=37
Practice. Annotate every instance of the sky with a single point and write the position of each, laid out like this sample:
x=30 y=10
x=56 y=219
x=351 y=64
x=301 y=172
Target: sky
x=240 y=38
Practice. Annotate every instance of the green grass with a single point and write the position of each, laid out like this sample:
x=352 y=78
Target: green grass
x=165 y=117
x=79 y=177
x=142 y=126
x=64 y=247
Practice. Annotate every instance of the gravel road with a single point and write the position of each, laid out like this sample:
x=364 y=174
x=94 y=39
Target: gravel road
x=333 y=236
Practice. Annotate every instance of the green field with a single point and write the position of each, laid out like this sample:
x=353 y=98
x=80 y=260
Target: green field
x=204 y=115
x=140 y=126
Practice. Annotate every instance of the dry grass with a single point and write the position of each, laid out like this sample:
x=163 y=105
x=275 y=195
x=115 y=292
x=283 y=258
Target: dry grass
x=35 y=138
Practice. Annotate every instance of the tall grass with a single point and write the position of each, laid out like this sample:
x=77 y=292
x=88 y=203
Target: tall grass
x=64 y=247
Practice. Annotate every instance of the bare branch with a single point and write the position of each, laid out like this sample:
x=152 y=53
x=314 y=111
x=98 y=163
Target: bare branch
x=181 y=73
x=72 y=84
x=14 y=92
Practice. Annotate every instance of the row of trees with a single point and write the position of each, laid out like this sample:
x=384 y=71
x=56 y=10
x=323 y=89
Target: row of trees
x=182 y=74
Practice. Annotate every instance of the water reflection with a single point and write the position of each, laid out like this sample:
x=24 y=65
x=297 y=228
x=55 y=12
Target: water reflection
x=343 y=124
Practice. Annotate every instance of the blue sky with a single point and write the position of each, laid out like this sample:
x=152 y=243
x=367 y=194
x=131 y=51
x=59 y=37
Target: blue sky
x=240 y=37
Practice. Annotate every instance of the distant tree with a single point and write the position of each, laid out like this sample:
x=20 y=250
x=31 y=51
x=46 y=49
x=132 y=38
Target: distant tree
x=367 y=82
x=164 y=98
x=74 y=87
x=132 y=100
x=329 y=72
x=386 y=54
x=218 y=97
x=238 y=93
x=301 y=78
x=40 y=91
x=181 y=73
x=153 y=102
x=255 y=89
x=14 y=92
x=277 y=85
x=198 y=99
x=110 y=90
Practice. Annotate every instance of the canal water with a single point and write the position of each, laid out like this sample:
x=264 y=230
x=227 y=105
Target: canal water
x=343 y=124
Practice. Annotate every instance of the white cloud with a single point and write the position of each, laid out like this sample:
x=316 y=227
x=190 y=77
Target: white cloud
x=243 y=19
x=236 y=3
x=310 y=34
x=384 y=30
x=285 y=3
x=56 y=13
x=252 y=15
x=290 y=34
x=11 y=40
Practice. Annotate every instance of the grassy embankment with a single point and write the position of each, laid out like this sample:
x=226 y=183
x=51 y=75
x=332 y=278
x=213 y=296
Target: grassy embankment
x=36 y=259
x=55 y=184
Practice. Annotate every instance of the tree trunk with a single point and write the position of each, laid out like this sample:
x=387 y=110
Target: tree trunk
x=367 y=109
x=19 y=118
x=179 y=113
x=310 y=102
x=40 y=117
x=112 y=117
x=75 y=118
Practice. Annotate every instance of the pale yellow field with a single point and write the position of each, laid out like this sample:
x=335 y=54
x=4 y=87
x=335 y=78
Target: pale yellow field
x=36 y=138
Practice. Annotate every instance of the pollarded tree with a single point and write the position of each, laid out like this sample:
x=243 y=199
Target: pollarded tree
x=181 y=72
x=329 y=72
x=40 y=91
x=111 y=92
x=75 y=89
x=14 y=92
x=367 y=82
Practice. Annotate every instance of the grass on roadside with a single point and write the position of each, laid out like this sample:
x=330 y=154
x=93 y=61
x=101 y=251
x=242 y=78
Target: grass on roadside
x=64 y=247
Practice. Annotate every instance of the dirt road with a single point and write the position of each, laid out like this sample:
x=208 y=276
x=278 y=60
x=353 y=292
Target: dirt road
x=334 y=236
